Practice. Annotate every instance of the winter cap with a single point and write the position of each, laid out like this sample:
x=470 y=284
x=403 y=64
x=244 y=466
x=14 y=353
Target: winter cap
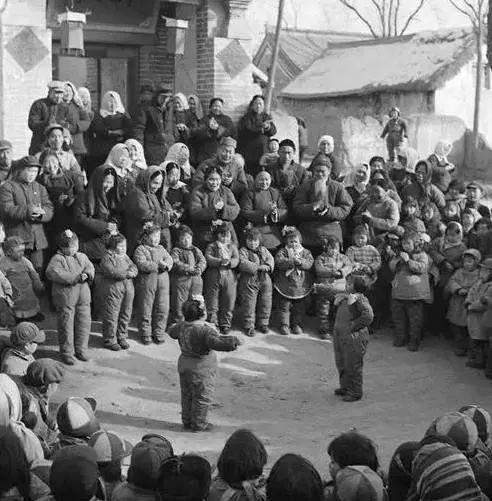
x=57 y=86
x=65 y=238
x=287 y=142
x=145 y=463
x=359 y=482
x=26 y=163
x=474 y=185
x=51 y=127
x=457 y=426
x=109 y=446
x=376 y=159
x=290 y=231
x=44 y=371
x=26 y=332
x=157 y=440
x=395 y=108
x=184 y=477
x=487 y=263
x=480 y=417
x=214 y=99
x=74 y=474
x=5 y=145
x=228 y=141
x=76 y=418
x=476 y=255
x=11 y=243
x=220 y=228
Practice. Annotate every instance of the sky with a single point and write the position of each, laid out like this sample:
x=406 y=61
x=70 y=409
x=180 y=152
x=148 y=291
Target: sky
x=331 y=15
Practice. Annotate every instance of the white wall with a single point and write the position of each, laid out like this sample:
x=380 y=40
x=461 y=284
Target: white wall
x=457 y=98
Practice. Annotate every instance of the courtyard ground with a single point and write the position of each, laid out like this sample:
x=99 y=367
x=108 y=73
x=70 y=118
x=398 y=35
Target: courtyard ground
x=279 y=387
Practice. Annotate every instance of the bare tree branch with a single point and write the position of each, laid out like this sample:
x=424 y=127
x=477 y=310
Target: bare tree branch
x=380 y=12
x=395 y=21
x=390 y=16
x=460 y=9
x=360 y=16
x=412 y=16
x=472 y=8
x=383 y=21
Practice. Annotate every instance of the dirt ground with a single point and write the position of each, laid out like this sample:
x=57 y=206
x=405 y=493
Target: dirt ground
x=279 y=387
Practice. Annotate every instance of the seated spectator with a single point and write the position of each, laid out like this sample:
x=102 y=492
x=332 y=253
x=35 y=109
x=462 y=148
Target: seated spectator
x=401 y=172
x=271 y=156
x=326 y=147
x=474 y=193
x=136 y=151
x=179 y=154
x=55 y=145
x=5 y=159
x=442 y=169
x=356 y=182
x=354 y=483
x=400 y=471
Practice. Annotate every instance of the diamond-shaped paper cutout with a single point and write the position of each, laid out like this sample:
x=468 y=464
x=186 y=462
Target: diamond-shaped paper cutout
x=27 y=49
x=234 y=58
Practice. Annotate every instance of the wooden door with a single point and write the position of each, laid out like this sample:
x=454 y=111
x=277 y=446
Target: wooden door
x=114 y=76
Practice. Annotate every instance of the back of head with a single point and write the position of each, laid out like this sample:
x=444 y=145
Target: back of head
x=352 y=448
x=14 y=467
x=356 y=483
x=74 y=474
x=184 y=478
x=294 y=478
x=242 y=458
x=145 y=463
x=76 y=418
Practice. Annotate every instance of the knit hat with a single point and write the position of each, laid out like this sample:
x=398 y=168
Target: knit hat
x=26 y=332
x=287 y=142
x=184 y=477
x=359 y=482
x=475 y=254
x=145 y=463
x=109 y=446
x=480 y=417
x=43 y=372
x=57 y=85
x=76 y=418
x=11 y=243
x=459 y=427
x=228 y=141
x=293 y=477
x=74 y=474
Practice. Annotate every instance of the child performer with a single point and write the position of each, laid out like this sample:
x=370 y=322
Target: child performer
x=395 y=132
x=117 y=272
x=220 y=279
x=197 y=364
x=292 y=280
x=70 y=272
x=152 y=285
x=350 y=337
x=255 y=284
x=365 y=257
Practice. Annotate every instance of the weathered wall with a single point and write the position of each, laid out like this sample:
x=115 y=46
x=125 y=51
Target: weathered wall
x=323 y=116
x=25 y=67
x=457 y=98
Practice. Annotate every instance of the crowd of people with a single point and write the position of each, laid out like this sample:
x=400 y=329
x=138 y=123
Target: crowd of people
x=165 y=216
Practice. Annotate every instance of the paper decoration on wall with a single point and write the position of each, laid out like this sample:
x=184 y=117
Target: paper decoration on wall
x=27 y=49
x=234 y=58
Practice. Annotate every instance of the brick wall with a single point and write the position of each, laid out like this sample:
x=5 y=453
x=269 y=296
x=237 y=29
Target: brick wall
x=156 y=66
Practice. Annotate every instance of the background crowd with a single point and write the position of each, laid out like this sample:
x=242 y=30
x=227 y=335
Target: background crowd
x=113 y=216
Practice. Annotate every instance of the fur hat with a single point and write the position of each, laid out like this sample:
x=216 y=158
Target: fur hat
x=480 y=417
x=359 y=482
x=184 y=477
x=74 y=474
x=76 y=418
x=109 y=446
x=459 y=427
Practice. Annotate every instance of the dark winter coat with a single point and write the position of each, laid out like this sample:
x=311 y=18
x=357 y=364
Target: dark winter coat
x=102 y=142
x=78 y=122
x=206 y=140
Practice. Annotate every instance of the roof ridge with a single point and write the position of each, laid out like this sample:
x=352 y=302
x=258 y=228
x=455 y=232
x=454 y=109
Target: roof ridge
x=270 y=28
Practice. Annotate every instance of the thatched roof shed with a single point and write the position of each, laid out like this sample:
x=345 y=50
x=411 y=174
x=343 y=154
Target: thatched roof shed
x=420 y=62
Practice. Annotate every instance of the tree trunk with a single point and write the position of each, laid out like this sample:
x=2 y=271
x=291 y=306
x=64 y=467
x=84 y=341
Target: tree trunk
x=489 y=34
x=478 y=84
x=273 y=64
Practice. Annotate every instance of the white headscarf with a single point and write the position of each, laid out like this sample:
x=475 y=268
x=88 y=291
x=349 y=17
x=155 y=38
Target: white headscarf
x=179 y=154
x=443 y=149
x=351 y=177
x=83 y=93
x=182 y=99
x=199 y=109
x=119 y=108
x=326 y=139
x=140 y=162
x=114 y=157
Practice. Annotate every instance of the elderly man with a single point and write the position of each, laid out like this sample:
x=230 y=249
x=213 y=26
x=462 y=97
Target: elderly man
x=46 y=111
x=213 y=128
x=5 y=159
x=320 y=205
x=231 y=165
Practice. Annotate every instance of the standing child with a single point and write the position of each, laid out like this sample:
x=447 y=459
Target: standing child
x=220 y=279
x=410 y=221
x=197 y=364
x=255 y=284
x=23 y=278
x=476 y=304
x=186 y=275
x=365 y=258
x=71 y=272
x=410 y=291
x=152 y=285
x=458 y=287
x=292 y=280
x=350 y=337
x=395 y=132
x=117 y=274
x=331 y=268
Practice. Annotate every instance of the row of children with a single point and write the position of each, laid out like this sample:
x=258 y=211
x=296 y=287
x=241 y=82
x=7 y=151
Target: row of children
x=68 y=456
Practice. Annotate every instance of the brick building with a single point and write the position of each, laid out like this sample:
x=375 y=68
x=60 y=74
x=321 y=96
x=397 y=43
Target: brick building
x=192 y=46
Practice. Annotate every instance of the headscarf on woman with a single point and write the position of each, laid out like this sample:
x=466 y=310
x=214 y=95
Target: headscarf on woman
x=326 y=139
x=411 y=155
x=118 y=108
x=140 y=162
x=98 y=201
x=75 y=96
x=182 y=99
x=85 y=95
x=443 y=149
x=353 y=180
x=198 y=104
x=118 y=151
x=179 y=153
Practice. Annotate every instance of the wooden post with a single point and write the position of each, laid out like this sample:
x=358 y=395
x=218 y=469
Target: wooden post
x=273 y=65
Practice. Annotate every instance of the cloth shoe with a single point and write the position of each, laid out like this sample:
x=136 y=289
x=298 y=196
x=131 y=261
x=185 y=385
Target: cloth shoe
x=82 y=357
x=249 y=332
x=296 y=329
x=284 y=330
x=123 y=344
x=113 y=347
x=146 y=340
x=263 y=329
x=340 y=392
x=350 y=398
x=68 y=359
x=159 y=340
